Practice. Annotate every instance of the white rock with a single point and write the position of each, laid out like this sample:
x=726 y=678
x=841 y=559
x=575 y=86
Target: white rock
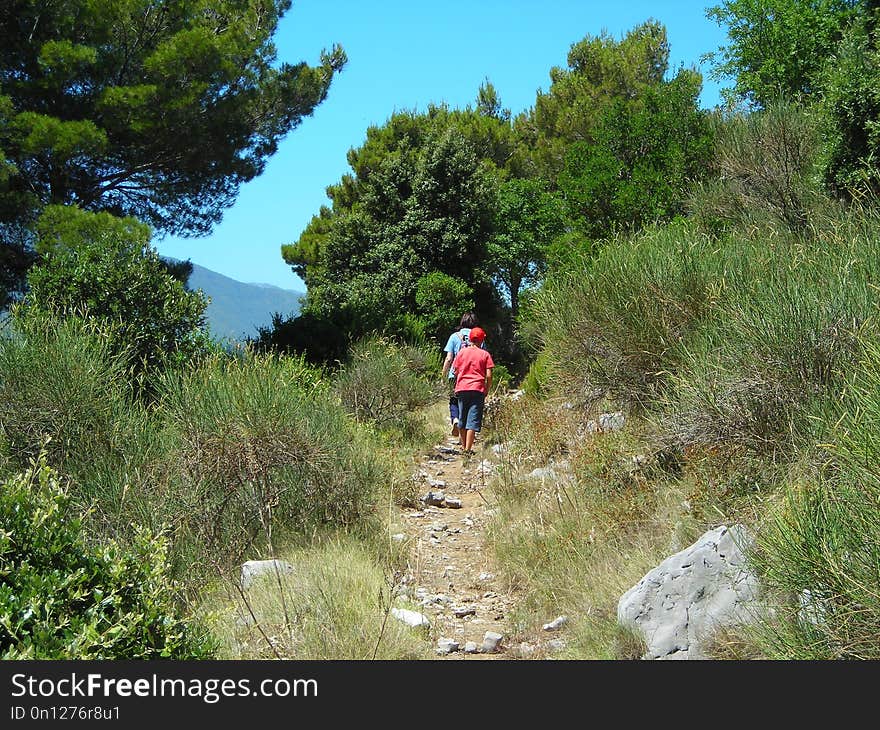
x=434 y=499
x=611 y=421
x=545 y=472
x=491 y=641
x=471 y=647
x=556 y=623
x=253 y=569
x=679 y=604
x=399 y=537
x=462 y=611
x=447 y=646
x=483 y=577
x=453 y=503
x=410 y=618
x=436 y=483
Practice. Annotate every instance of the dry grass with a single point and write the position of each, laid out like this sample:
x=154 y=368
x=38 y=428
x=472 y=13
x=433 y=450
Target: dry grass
x=333 y=606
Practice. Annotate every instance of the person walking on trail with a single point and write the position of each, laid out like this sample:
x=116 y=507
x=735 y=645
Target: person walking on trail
x=457 y=340
x=473 y=379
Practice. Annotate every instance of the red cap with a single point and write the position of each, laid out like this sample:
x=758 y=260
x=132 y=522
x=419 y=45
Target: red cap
x=477 y=335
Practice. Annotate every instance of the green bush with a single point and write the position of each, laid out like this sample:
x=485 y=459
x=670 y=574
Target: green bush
x=780 y=341
x=59 y=379
x=384 y=383
x=613 y=324
x=819 y=554
x=256 y=449
x=62 y=599
x=441 y=299
x=101 y=267
x=766 y=169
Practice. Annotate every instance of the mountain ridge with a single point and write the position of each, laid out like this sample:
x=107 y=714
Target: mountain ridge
x=238 y=309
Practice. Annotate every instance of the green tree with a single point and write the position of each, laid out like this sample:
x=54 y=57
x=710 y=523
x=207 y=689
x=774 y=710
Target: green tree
x=419 y=200
x=644 y=154
x=102 y=267
x=158 y=109
x=440 y=301
x=528 y=219
x=778 y=47
x=850 y=110
x=600 y=71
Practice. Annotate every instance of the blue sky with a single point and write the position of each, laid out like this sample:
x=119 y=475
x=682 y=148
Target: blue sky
x=404 y=56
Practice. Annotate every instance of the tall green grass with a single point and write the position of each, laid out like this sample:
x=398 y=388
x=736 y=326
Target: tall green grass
x=334 y=605
x=61 y=386
x=259 y=449
x=819 y=553
x=612 y=325
x=385 y=383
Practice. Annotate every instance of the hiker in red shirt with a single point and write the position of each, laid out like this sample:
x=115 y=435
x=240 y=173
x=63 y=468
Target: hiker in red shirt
x=473 y=378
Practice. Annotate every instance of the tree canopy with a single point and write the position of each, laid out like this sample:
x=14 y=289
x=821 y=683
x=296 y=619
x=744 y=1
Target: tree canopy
x=158 y=109
x=778 y=47
x=102 y=268
x=419 y=200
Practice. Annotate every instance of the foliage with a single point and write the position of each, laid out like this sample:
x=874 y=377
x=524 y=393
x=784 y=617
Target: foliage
x=850 y=109
x=159 y=110
x=59 y=380
x=765 y=163
x=318 y=339
x=258 y=450
x=600 y=71
x=384 y=383
x=440 y=300
x=638 y=163
x=778 y=47
x=103 y=268
x=420 y=201
x=61 y=599
x=528 y=220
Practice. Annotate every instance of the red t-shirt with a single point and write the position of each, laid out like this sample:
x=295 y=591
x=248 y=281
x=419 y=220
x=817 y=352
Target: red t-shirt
x=470 y=365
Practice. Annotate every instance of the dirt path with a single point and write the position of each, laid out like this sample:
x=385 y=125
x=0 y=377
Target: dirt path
x=452 y=577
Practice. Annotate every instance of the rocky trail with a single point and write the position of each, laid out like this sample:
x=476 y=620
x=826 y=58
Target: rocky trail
x=451 y=575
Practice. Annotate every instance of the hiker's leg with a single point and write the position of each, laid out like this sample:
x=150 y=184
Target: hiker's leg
x=471 y=416
x=462 y=415
x=453 y=401
x=469 y=437
x=453 y=408
x=475 y=420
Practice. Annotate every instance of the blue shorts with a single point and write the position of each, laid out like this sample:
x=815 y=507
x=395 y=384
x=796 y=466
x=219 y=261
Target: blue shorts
x=470 y=409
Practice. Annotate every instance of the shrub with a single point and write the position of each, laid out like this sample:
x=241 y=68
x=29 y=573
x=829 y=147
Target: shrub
x=61 y=380
x=257 y=448
x=98 y=266
x=780 y=342
x=333 y=606
x=61 y=599
x=766 y=165
x=612 y=325
x=385 y=383
x=819 y=553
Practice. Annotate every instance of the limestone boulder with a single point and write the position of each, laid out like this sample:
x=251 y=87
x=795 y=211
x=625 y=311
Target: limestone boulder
x=678 y=606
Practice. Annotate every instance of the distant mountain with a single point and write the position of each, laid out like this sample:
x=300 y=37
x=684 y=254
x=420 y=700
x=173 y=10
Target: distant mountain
x=238 y=309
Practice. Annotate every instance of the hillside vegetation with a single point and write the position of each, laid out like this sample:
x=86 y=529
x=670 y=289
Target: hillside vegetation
x=712 y=276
